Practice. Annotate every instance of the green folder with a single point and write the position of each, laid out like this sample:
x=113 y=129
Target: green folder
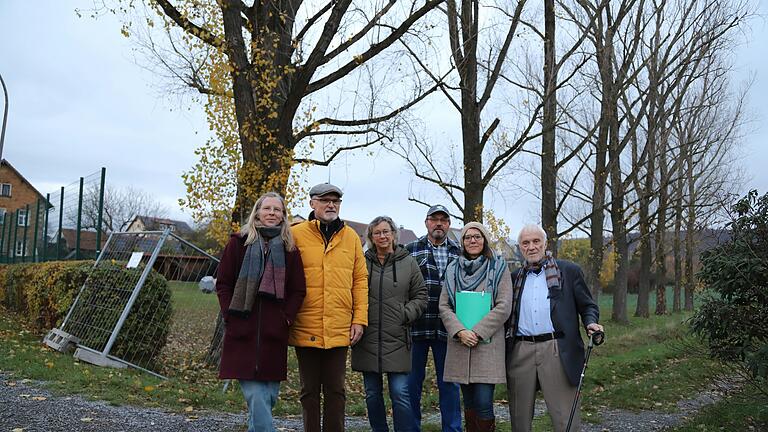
x=472 y=306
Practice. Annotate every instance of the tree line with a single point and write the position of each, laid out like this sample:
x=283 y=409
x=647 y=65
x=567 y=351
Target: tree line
x=624 y=111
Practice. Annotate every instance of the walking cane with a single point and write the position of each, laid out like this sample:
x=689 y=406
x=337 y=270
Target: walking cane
x=596 y=339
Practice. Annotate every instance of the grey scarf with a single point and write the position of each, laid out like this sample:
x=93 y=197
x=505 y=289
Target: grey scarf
x=261 y=273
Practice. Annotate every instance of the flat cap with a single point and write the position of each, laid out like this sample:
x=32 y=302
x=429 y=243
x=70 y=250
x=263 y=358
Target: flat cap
x=438 y=209
x=324 y=189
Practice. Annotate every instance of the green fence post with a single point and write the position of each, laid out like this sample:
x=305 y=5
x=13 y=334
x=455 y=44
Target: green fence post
x=2 y=236
x=24 y=240
x=7 y=227
x=15 y=235
x=79 y=220
x=101 y=210
x=61 y=220
x=45 y=227
x=37 y=226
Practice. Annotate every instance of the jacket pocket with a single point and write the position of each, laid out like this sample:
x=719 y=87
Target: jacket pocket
x=236 y=327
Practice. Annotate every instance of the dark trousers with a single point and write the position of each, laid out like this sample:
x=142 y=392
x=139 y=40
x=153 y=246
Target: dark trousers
x=322 y=370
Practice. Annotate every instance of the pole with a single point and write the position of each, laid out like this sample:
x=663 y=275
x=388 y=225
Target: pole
x=79 y=220
x=37 y=228
x=101 y=211
x=2 y=234
x=61 y=221
x=45 y=227
x=15 y=234
x=5 y=116
x=24 y=240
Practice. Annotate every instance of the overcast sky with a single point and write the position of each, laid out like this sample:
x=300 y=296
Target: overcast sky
x=79 y=101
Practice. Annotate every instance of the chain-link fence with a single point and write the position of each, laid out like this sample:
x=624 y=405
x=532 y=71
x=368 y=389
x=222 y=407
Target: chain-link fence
x=58 y=226
x=148 y=303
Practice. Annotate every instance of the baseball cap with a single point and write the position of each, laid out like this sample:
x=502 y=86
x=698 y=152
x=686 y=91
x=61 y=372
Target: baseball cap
x=324 y=189
x=438 y=209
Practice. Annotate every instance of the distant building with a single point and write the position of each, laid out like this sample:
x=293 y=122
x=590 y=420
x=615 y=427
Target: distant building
x=19 y=202
x=406 y=235
x=68 y=248
x=148 y=223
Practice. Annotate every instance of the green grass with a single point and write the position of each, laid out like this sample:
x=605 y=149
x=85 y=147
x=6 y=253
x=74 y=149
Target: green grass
x=743 y=412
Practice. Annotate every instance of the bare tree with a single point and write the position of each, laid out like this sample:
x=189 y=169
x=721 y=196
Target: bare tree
x=121 y=206
x=258 y=66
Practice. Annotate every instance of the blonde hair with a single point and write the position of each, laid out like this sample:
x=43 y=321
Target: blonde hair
x=250 y=229
x=377 y=220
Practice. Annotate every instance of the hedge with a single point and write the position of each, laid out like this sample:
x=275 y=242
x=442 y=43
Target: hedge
x=44 y=292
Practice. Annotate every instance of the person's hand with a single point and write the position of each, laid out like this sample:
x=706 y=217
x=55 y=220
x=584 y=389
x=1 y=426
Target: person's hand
x=593 y=328
x=468 y=338
x=355 y=333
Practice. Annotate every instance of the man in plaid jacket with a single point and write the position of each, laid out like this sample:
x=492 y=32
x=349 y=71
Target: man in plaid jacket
x=433 y=252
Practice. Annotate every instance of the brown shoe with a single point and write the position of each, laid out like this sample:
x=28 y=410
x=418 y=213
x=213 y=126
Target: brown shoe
x=485 y=425
x=470 y=420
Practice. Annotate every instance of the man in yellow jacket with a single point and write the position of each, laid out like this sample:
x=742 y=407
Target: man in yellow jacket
x=335 y=309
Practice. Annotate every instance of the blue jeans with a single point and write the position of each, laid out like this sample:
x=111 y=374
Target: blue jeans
x=450 y=402
x=261 y=397
x=398 y=394
x=479 y=397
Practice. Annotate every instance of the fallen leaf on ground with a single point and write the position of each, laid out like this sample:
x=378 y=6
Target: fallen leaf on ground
x=86 y=419
x=39 y=398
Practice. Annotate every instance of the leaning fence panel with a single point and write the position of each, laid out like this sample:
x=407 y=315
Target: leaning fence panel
x=148 y=303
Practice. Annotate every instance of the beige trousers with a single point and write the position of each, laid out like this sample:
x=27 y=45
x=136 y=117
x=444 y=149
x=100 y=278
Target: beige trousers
x=532 y=362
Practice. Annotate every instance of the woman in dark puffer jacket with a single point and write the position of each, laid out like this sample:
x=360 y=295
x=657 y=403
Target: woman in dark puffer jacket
x=396 y=297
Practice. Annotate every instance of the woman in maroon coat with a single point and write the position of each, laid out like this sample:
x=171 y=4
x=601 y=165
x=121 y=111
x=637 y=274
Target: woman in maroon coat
x=260 y=286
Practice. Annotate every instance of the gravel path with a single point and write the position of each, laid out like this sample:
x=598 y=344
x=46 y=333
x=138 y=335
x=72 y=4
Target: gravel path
x=27 y=406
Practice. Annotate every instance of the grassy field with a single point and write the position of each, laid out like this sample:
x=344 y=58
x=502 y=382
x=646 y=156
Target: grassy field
x=642 y=366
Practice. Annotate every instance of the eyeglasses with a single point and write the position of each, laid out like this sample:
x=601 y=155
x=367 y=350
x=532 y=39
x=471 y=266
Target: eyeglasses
x=326 y=201
x=476 y=237
x=383 y=233
x=272 y=209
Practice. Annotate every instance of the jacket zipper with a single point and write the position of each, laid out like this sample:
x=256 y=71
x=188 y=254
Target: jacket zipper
x=381 y=321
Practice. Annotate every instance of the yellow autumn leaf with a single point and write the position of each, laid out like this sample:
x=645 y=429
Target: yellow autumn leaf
x=189 y=409
x=148 y=388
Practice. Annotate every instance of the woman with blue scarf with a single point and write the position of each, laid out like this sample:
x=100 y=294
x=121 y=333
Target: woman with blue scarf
x=475 y=355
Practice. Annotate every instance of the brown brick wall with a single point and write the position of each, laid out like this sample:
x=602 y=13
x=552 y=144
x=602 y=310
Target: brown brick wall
x=21 y=195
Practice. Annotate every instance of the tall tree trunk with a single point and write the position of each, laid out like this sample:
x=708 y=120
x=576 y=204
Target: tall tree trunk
x=603 y=53
x=619 y=227
x=548 y=125
x=677 y=246
x=661 y=231
x=690 y=227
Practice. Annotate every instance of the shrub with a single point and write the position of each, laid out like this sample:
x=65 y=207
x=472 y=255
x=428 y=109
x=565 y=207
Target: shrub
x=733 y=315
x=44 y=292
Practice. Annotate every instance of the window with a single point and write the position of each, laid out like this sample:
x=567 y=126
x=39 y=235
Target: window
x=2 y=216
x=5 y=189
x=21 y=217
x=19 y=247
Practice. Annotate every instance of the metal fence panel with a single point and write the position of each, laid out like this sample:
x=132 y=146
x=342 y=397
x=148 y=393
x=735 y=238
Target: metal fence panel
x=174 y=324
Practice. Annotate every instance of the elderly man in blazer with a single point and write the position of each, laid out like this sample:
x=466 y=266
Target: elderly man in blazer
x=544 y=347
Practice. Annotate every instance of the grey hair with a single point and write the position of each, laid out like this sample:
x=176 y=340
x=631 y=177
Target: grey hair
x=250 y=229
x=377 y=220
x=532 y=228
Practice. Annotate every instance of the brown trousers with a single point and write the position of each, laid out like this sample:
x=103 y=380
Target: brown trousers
x=322 y=370
x=532 y=362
